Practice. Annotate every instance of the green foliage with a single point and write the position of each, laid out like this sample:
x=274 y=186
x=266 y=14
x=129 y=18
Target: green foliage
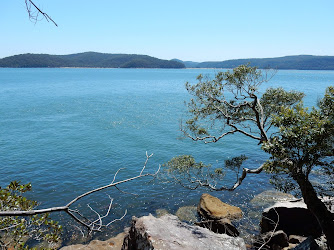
x=235 y=162
x=301 y=140
x=15 y=230
x=191 y=174
x=186 y=171
x=302 y=62
x=87 y=59
x=184 y=163
x=305 y=140
x=274 y=99
x=229 y=103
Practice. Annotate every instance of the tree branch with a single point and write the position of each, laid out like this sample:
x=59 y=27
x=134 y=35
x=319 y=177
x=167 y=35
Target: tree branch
x=34 y=17
x=91 y=225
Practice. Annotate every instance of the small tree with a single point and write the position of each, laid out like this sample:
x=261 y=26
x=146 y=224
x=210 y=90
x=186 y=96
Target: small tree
x=302 y=139
x=15 y=230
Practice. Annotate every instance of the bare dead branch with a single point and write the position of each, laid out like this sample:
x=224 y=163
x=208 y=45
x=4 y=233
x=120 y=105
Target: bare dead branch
x=91 y=225
x=147 y=158
x=33 y=15
x=121 y=218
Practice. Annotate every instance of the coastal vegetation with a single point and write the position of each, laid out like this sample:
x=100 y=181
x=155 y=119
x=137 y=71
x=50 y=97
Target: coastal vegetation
x=297 y=139
x=87 y=60
x=104 y=60
x=16 y=230
x=300 y=62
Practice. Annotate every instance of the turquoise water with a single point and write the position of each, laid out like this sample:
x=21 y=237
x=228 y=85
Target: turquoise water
x=69 y=130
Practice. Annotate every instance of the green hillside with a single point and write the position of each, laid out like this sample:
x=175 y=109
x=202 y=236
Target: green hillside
x=87 y=60
x=302 y=62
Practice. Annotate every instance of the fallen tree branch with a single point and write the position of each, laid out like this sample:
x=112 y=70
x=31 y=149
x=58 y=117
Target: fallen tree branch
x=75 y=214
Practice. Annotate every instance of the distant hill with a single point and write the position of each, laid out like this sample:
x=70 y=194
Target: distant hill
x=102 y=60
x=301 y=62
x=87 y=60
x=188 y=64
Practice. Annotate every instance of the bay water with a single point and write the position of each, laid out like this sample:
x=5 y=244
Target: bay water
x=68 y=131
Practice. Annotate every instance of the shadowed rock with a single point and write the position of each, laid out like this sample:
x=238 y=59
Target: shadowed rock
x=291 y=217
x=222 y=226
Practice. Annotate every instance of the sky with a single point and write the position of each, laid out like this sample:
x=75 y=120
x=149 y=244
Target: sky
x=206 y=30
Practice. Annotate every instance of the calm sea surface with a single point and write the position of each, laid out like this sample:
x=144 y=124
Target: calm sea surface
x=69 y=130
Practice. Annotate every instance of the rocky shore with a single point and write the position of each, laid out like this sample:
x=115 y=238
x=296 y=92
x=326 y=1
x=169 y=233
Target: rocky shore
x=286 y=224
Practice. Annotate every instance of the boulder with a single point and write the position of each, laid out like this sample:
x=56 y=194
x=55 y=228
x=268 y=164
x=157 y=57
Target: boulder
x=212 y=208
x=161 y=212
x=292 y=217
x=270 y=197
x=187 y=213
x=168 y=233
x=222 y=226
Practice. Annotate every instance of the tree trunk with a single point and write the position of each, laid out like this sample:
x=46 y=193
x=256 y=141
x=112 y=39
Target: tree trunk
x=318 y=208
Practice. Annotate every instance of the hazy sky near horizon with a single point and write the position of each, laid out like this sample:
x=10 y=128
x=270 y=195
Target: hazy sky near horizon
x=211 y=30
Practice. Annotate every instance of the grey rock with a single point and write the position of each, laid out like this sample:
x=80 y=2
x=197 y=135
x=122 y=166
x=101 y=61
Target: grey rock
x=292 y=218
x=187 y=213
x=270 y=197
x=169 y=233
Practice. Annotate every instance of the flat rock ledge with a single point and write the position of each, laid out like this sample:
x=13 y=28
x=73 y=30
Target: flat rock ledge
x=169 y=233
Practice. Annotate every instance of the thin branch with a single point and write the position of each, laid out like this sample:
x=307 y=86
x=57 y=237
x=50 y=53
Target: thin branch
x=205 y=183
x=212 y=137
x=272 y=234
x=116 y=175
x=119 y=219
x=39 y=11
x=147 y=158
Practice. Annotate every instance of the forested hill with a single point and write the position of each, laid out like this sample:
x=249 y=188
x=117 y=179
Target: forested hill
x=302 y=62
x=87 y=60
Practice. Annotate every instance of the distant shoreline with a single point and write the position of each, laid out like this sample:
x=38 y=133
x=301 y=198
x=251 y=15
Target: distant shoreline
x=154 y=68
x=102 y=60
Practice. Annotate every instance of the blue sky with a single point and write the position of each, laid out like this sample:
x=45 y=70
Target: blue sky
x=189 y=30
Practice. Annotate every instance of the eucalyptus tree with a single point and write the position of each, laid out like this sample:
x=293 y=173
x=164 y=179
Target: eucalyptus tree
x=298 y=139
